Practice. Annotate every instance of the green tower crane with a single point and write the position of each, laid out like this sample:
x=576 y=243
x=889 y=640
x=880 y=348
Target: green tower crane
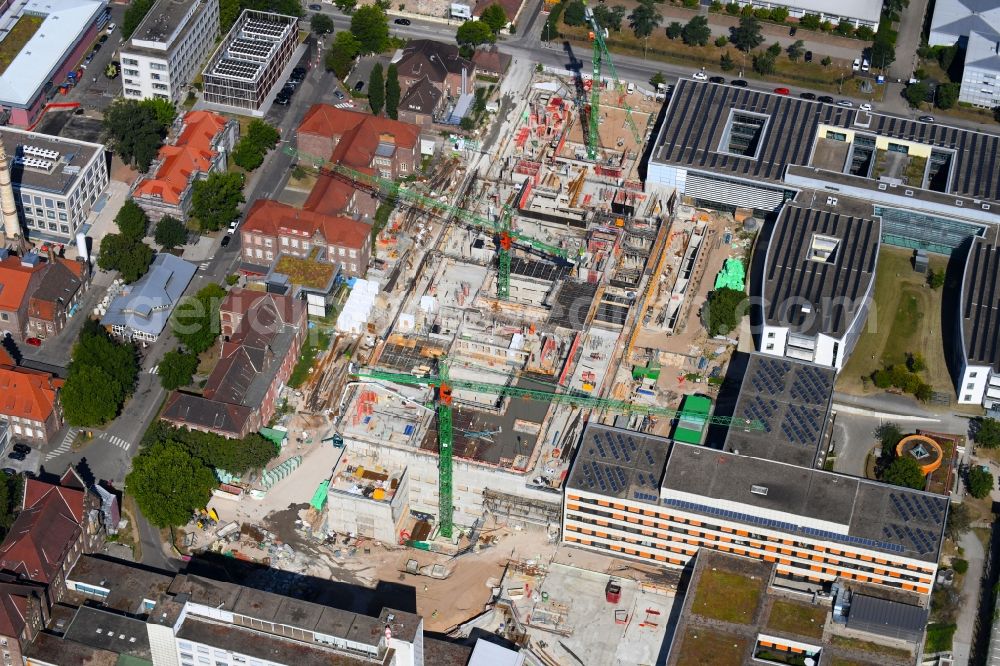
x=503 y=228
x=444 y=385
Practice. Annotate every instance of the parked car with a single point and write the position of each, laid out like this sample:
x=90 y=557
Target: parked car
x=103 y=39
x=10 y=471
x=111 y=27
x=846 y=103
x=782 y=91
x=233 y=226
x=16 y=455
x=865 y=65
x=315 y=8
x=826 y=99
x=865 y=107
x=359 y=85
x=299 y=73
x=717 y=79
x=22 y=448
x=89 y=58
x=792 y=31
x=857 y=65
x=809 y=56
x=926 y=119
x=225 y=240
x=700 y=76
x=339 y=95
x=739 y=83
x=807 y=95
x=402 y=21
x=34 y=342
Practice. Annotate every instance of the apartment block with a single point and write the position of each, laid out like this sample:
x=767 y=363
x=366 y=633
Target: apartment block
x=978 y=357
x=163 y=56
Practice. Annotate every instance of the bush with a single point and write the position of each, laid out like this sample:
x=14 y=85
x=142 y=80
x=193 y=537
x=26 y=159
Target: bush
x=726 y=63
x=827 y=61
x=721 y=41
x=810 y=22
x=774 y=50
x=725 y=310
x=960 y=566
x=915 y=362
x=826 y=26
x=675 y=30
x=947 y=95
x=779 y=14
x=906 y=473
x=763 y=63
x=979 y=482
x=986 y=432
x=936 y=279
x=916 y=93
x=865 y=33
x=716 y=6
x=575 y=13
x=845 y=29
x=733 y=8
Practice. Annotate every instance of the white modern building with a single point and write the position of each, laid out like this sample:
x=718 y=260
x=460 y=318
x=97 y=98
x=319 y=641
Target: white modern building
x=819 y=278
x=978 y=376
x=856 y=12
x=166 y=50
x=975 y=26
x=56 y=182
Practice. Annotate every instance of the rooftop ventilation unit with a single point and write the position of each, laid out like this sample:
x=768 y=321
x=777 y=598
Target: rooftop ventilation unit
x=759 y=490
x=43 y=153
x=37 y=164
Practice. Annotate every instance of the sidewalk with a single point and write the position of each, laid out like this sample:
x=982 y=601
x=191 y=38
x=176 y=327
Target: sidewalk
x=972 y=553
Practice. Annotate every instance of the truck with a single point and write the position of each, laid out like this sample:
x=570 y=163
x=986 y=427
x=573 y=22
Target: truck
x=661 y=92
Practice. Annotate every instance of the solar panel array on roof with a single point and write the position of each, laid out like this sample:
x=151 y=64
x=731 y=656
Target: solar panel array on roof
x=802 y=425
x=239 y=69
x=769 y=378
x=619 y=462
x=608 y=478
x=269 y=30
x=811 y=386
x=922 y=541
x=250 y=49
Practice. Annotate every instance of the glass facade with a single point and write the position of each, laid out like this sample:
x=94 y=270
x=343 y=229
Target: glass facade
x=920 y=231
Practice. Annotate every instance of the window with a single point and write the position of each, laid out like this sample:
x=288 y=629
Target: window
x=51 y=214
x=340 y=251
x=64 y=228
x=770 y=335
x=160 y=86
x=61 y=205
x=284 y=240
x=268 y=242
x=970 y=386
x=354 y=254
x=130 y=61
x=155 y=77
x=295 y=242
x=49 y=203
x=4 y=316
x=62 y=216
x=769 y=347
x=972 y=375
x=26 y=198
x=968 y=397
x=260 y=254
x=270 y=255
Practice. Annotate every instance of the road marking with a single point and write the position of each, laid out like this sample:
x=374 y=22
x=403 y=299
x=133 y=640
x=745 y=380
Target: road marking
x=117 y=441
x=64 y=446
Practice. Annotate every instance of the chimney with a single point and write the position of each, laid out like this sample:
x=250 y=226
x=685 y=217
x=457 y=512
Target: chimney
x=8 y=209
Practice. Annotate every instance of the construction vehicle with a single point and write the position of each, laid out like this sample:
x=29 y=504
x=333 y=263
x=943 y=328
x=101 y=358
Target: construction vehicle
x=601 y=57
x=389 y=190
x=444 y=386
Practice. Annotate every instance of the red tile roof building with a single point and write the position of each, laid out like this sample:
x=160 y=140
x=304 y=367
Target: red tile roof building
x=204 y=139
x=22 y=616
x=29 y=402
x=56 y=525
x=36 y=294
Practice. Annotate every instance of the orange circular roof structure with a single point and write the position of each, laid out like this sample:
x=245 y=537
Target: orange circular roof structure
x=923 y=449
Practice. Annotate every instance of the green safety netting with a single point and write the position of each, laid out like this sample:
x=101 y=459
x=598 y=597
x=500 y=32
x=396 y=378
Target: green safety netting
x=732 y=275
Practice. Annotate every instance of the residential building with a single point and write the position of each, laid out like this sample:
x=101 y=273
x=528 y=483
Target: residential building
x=643 y=498
x=67 y=31
x=22 y=616
x=38 y=295
x=163 y=55
x=975 y=28
x=754 y=627
x=366 y=143
x=142 y=310
x=978 y=325
x=441 y=63
x=29 y=403
x=247 y=65
x=422 y=104
x=491 y=61
x=202 y=143
x=57 y=524
x=931 y=186
x=819 y=279
x=855 y=12
x=56 y=182
x=273 y=229
x=264 y=333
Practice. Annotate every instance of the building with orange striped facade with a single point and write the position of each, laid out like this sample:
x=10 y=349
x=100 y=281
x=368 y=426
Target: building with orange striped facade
x=647 y=498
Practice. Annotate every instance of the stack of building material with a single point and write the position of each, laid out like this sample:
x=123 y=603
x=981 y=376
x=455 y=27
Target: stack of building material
x=358 y=308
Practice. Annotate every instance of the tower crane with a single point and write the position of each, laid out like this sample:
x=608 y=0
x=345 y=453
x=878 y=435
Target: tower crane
x=444 y=385
x=503 y=228
x=600 y=57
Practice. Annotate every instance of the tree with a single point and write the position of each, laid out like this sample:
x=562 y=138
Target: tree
x=392 y=91
x=986 y=432
x=321 y=24
x=656 y=79
x=371 y=27
x=136 y=11
x=979 y=482
x=916 y=93
x=129 y=257
x=915 y=362
x=236 y=456
x=904 y=472
x=763 y=63
x=610 y=18
x=774 y=50
x=746 y=36
x=864 y=33
x=177 y=369
x=936 y=279
x=958 y=522
x=88 y=399
x=376 y=89
x=947 y=95
x=826 y=61
x=134 y=132
x=474 y=33
x=809 y=22
x=721 y=41
x=102 y=374
x=215 y=201
x=697 y=32
x=342 y=52
x=726 y=63
x=675 y=29
x=883 y=50
x=346 y=6
x=845 y=28
x=795 y=50
x=132 y=221
x=168 y=484
x=170 y=233
x=732 y=8
x=725 y=309
x=495 y=17
x=163 y=109
x=644 y=19
x=258 y=139
x=779 y=14
x=575 y=13
x=229 y=11
x=195 y=321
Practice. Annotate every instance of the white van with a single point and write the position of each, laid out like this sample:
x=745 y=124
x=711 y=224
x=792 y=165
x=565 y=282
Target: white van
x=631 y=88
x=865 y=65
x=857 y=65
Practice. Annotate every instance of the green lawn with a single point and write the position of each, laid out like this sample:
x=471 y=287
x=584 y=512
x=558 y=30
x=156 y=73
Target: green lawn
x=307 y=357
x=939 y=638
x=15 y=40
x=727 y=596
x=797 y=618
x=706 y=647
x=868 y=646
x=905 y=318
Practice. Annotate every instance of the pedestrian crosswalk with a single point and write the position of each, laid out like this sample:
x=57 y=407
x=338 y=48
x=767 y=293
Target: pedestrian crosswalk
x=64 y=446
x=117 y=441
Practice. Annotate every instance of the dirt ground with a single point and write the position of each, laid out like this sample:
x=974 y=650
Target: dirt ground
x=613 y=126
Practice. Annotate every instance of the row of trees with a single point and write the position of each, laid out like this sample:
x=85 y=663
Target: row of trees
x=258 y=139
x=384 y=90
x=369 y=33
x=195 y=321
x=215 y=201
x=136 y=129
x=808 y=22
x=905 y=377
x=125 y=251
x=173 y=474
x=102 y=375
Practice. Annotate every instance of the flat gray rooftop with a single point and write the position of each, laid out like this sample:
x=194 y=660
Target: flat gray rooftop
x=46 y=163
x=981 y=303
x=875 y=516
x=162 y=20
x=619 y=463
x=792 y=399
